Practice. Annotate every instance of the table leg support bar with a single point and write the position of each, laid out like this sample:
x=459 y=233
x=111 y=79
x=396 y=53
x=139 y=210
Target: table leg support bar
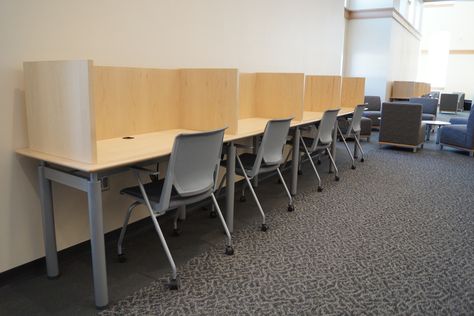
x=94 y=196
x=49 y=232
x=294 y=161
x=230 y=187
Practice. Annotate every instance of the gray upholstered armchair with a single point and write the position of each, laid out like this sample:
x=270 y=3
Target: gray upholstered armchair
x=430 y=107
x=460 y=136
x=449 y=102
x=401 y=126
x=373 y=104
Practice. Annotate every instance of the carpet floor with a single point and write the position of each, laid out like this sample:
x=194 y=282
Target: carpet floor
x=395 y=236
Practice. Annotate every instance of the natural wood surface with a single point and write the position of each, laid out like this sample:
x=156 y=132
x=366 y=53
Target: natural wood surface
x=409 y=89
x=130 y=101
x=352 y=91
x=279 y=95
x=209 y=99
x=247 y=95
x=322 y=93
x=59 y=109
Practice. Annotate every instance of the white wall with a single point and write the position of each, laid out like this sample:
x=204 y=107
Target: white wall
x=266 y=35
x=456 y=23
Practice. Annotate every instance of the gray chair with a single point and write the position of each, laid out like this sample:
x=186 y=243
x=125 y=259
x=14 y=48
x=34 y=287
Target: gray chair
x=430 y=107
x=460 y=136
x=365 y=127
x=461 y=96
x=321 y=140
x=190 y=178
x=268 y=158
x=353 y=131
x=373 y=105
x=401 y=125
x=449 y=102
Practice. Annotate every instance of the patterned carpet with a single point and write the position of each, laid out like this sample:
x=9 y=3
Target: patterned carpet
x=395 y=236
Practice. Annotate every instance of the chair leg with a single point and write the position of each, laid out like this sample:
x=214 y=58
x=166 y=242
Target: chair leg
x=347 y=147
x=290 y=198
x=320 y=188
x=333 y=164
x=120 y=254
x=264 y=226
x=229 y=250
x=213 y=213
x=174 y=281
x=362 y=154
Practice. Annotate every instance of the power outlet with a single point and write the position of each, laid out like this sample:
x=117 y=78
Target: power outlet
x=105 y=184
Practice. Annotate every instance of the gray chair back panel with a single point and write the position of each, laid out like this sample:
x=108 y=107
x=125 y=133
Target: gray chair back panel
x=470 y=128
x=401 y=123
x=274 y=138
x=356 y=118
x=325 y=129
x=449 y=102
x=193 y=163
x=430 y=106
x=373 y=103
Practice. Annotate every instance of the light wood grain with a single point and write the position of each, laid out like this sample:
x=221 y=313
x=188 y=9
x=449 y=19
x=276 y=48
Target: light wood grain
x=59 y=109
x=352 y=91
x=409 y=89
x=130 y=101
x=322 y=93
x=209 y=99
x=247 y=83
x=279 y=95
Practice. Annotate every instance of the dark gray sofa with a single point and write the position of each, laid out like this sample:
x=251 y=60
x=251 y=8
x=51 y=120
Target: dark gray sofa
x=430 y=107
x=460 y=136
x=401 y=126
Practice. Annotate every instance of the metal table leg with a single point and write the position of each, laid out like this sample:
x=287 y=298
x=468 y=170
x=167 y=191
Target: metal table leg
x=94 y=196
x=49 y=233
x=230 y=186
x=294 y=161
x=333 y=145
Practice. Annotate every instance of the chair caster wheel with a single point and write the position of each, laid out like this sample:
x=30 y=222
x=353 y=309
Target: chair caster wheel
x=353 y=167
x=121 y=258
x=362 y=160
x=264 y=227
x=291 y=208
x=336 y=178
x=320 y=189
x=173 y=284
x=213 y=214
x=176 y=232
x=229 y=250
x=300 y=172
x=243 y=199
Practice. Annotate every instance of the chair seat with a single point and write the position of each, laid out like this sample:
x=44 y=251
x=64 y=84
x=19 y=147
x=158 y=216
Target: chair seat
x=152 y=189
x=428 y=117
x=454 y=135
x=458 y=120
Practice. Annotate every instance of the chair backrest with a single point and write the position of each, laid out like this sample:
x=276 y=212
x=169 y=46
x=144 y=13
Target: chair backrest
x=270 y=150
x=461 y=96
x=325 y=129
x=373 y=103
x=193 y=164
x=356 y=118
x=400 y=122
x=448 y=102
x=470 y=128
x=430 y=106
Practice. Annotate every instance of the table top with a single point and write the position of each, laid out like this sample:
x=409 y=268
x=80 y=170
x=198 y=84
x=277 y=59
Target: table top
x=117 y=152
x=428 y=122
